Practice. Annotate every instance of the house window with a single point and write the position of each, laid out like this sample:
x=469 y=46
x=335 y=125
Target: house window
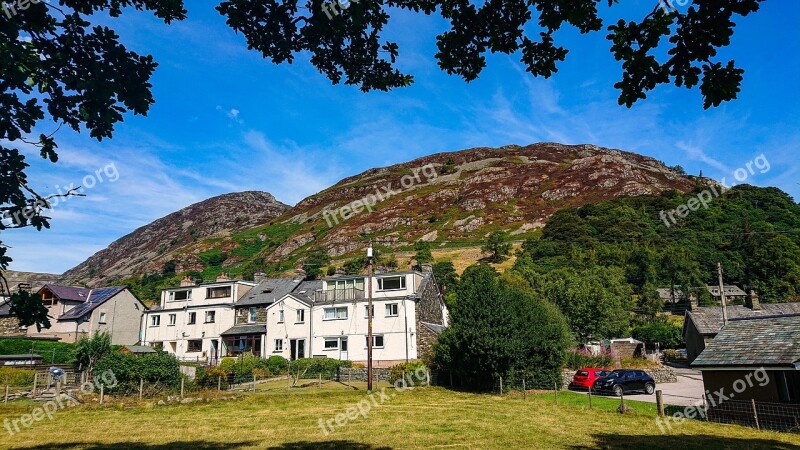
x=180 y=295
x=102 y=319
x=211 y=316
x=366 y=311
x=301 y=315
x=253 y=314
x=377 y=340
x=192 y=318
x=173 y=319
x=280 y=316
x=155 y=321
x=331 y=343
x=335 y=313
x=392 y=310
x=391 y=283
x=278 y=345
x=218 y=292
x=194 y=346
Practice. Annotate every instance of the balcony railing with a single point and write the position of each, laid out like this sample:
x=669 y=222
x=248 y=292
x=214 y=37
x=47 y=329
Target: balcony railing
x=339 y=295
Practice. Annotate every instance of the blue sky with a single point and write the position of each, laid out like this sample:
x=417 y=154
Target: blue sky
x=227 y=120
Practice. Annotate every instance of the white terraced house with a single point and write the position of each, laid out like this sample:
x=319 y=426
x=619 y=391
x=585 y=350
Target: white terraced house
x=190 y=319
x=328 y=319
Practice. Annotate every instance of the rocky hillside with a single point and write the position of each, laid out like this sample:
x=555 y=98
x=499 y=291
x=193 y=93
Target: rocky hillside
x=34 y=279
x=148 y=248
x=451 y=199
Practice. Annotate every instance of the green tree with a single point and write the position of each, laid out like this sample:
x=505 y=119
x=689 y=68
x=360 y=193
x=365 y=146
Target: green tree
x=92 y=349
x=498 y=329
x=595 y=301
x=658 y=331
x=315 y=261
x=498 y=246
x=348 y=45
x=56 y=67
x=445 y=275
x=423 y=253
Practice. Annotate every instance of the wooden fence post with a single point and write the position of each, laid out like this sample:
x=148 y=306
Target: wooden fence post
x=755 y=414
x=219 y=383
x=428 y=377
x=182 y=382
x=6 y=398
x=660 y=403
x=320 y=380
x=35 y=379
x=555 y=391
x=501 y=386
x=141 y=388
x=102 y=393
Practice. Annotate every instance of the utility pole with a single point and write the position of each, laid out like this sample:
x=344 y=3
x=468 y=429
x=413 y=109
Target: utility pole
x=722 y=296
x=369 y=317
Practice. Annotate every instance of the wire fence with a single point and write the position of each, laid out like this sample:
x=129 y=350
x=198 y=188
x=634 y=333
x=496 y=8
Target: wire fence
x=760 y=415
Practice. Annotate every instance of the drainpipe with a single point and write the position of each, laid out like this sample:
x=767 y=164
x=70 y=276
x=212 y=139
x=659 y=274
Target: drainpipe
x=405 y=318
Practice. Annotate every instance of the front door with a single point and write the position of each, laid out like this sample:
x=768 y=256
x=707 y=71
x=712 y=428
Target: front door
x=343 y=349
x=214 y=349
x=298 y=348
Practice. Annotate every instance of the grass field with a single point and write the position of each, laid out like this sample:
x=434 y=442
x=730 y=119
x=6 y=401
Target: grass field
x=421 y=418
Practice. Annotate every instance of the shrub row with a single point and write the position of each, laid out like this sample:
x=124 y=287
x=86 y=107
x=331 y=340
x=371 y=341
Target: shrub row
x=157 y=369
x=16 y=377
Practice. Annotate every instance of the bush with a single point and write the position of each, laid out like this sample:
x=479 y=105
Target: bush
x=158 y=370
x=638 y=363
x=578 y=359
x=16 y=377
x=208 y=377
x=245 y=366
x=407 y=370
x=314 y=367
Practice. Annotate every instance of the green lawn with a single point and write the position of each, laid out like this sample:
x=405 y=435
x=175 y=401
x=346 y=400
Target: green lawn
x=420 y=418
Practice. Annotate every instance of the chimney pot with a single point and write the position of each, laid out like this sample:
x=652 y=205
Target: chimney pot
x=258 y=277
x=223 y=277
x=187 y=281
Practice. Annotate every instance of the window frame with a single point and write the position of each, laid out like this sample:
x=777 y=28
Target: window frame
x=189 y=348
x=382 y=288
x=366 y=311
x=155 y=320
x=390 y=307
x=172 y=320
x=335 y=310
x=300 y=316
x=328 y=340
x=252 y=315
x=173 y=295
x=278 y=346
x=213 y=315
x=281 y=316
x=101 y=319
x=192 y=319
x=374 y=343
x=209 y=290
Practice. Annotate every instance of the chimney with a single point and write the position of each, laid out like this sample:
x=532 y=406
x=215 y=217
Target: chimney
x=751 y=301
x=259 y=276
x=693 y=302
x=426 y=268
x=187 y=281
x=223 y=277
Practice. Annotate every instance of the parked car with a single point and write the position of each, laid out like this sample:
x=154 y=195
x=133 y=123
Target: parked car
x=584 y=378
x=624 y=381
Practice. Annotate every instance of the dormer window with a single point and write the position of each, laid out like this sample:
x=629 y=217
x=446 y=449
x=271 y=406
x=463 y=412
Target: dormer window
x=218 y=292
x=177 y=296
x=391 y=283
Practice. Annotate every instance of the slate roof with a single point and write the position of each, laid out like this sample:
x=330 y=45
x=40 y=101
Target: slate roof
x=666 y=294
x=754 y=343
x=708 y=319
x=245 y=329
x=268 y=291
x=730 y=290
x=5 y=307
x=435 y=328
x=139 y=349
x=89 y=298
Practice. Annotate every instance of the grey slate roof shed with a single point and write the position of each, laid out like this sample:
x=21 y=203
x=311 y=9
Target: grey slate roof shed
x=767 y=342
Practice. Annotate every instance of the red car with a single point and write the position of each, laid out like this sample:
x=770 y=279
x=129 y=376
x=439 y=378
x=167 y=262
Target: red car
x=584 y=378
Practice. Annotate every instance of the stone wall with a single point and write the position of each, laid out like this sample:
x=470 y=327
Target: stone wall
x=360 y=374
x=430 y=310
x=9 y=326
